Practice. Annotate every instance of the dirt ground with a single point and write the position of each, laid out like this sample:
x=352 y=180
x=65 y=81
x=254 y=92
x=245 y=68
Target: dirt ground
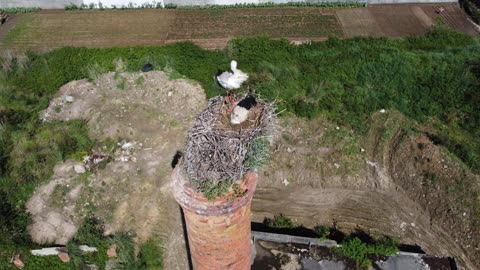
x=383 y=184
x=212 y=29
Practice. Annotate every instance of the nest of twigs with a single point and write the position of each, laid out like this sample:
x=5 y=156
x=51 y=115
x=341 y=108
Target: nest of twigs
x=217 y=151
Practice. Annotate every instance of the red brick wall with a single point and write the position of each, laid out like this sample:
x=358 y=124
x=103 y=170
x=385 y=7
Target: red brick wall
x=218 y=231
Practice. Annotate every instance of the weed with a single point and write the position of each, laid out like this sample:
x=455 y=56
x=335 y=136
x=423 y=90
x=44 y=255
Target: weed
x=258 y=153
x=139 y=81
x=323 y=232
x=121 y=85
x=280 y=222
x=212 y=189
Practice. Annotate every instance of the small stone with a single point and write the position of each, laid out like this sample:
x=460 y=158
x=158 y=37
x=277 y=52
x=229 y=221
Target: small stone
x=86 y=248
x=112 y=251
x=17 y=261
x=170 y=93
x=69 y=99
x=382 y=111
x=79 y=169
x=289 y=150
x=64 y=257
x=337 y=128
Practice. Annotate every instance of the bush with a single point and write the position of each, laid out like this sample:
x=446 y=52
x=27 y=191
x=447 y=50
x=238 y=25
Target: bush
x=280 y=222
x=360 y=251
x=323 y=232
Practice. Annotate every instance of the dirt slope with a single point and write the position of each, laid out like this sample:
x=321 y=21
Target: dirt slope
x=375 y=183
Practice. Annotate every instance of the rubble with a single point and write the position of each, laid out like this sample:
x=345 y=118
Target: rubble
x=112 y=251
x=17 y=261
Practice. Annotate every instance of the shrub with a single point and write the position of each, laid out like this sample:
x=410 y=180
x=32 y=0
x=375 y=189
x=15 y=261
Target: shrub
x=358 y=250
x=258 y=153
x=213 y=189
x=280 y=222
x=323 y=232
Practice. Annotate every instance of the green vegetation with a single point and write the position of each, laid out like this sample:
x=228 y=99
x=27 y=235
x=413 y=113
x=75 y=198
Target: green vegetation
x=91 y=234
x=472 y=8
x=322 y=232
x=20 y=10
x=243 y=5
x=214 y=189
x=363 y=252
x=280 y=222
x=258 y=153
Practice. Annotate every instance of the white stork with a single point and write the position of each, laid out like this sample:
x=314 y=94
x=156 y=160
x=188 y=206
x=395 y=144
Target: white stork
x=231 y=80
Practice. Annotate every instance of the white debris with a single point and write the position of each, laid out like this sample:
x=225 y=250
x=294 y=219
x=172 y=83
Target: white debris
x=336 y=165
x=362 y=150
x=128 y=145
x=403 y=226
x=79 y=169
x=285 y=182
x=382 y=111
x=413 y=224
x=86 y=248
x=69 y=99
x=337 y=128
x=170 y=93
x=46 y=251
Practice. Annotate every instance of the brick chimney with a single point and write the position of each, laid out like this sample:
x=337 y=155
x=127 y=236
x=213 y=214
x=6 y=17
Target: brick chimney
x=219 y=230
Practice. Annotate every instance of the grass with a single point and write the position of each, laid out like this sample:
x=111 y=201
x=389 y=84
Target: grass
x=23 y=27
x=121 y=85
x=19 y=10
x=212 y=189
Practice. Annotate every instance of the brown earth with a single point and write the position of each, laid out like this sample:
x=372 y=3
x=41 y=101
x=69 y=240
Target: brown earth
x=423 y=197
x=213 y=28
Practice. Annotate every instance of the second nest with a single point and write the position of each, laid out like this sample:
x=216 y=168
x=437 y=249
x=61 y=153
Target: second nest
x=217 y=151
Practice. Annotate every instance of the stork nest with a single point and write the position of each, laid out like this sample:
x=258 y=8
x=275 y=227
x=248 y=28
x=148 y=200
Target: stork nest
x=216 y=150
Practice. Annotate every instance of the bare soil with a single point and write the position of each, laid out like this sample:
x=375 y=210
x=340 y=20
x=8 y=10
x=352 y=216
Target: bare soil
x=388 y=189
x=213 y=28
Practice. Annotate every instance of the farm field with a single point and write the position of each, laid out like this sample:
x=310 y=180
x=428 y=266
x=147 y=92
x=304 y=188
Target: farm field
x=213 y=28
